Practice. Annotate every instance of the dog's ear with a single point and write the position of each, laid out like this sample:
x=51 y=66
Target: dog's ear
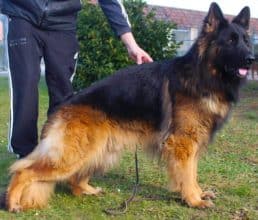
x=214 y=19
x=243 y=18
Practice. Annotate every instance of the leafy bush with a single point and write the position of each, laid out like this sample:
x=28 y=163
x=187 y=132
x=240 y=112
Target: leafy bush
x=101 y=53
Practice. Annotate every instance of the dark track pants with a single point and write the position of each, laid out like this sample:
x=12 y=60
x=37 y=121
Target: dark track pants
x=27 y=45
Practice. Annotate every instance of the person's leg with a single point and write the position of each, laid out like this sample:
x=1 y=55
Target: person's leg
x=60 y=55
x=24 y=61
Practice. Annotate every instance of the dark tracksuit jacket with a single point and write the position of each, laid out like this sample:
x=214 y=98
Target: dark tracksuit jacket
x=44 y=28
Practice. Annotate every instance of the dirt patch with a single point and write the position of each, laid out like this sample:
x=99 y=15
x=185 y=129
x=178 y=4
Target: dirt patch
x=241 y=214
x=252 y=160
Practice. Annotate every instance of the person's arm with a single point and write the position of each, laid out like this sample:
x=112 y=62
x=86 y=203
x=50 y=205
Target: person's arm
x=116 y=16
x=119 y=22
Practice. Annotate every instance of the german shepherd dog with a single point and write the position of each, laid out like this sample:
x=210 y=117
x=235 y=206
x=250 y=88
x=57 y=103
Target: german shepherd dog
x=170 y=108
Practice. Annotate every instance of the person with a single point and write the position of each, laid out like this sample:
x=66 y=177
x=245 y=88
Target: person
x=43 y=28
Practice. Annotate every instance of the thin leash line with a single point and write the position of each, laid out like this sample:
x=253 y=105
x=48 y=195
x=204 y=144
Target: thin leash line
x=123 y=208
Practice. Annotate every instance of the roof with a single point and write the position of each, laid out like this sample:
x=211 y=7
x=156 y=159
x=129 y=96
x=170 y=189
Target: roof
x=185 y=18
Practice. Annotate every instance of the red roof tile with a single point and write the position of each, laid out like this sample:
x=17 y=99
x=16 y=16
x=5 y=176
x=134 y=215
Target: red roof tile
x=185 y=18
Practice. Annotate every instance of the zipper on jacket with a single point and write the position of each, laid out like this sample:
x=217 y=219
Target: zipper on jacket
x=44 y=13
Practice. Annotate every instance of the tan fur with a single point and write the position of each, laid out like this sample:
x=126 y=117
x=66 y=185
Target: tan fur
x=80 y=186
x=215 y=106
x=80 y=141
x=37 y=194
x=183 y=148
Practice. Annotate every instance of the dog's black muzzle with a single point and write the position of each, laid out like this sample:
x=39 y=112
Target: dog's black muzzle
x=249 y=59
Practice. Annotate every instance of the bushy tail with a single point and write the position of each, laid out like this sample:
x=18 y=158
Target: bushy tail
x=24 y=162
x=20 y=165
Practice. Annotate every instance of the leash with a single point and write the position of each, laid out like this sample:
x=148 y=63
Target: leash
x=123 y=208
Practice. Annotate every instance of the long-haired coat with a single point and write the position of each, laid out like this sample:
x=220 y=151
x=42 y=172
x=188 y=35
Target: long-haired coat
x=170 y=108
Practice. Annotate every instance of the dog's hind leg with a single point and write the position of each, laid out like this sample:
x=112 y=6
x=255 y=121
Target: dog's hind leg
x=37 y=194
x=31 y=183
x=19 y=181
x=33 y=186
x=181 y=153
x=69 y=144
x=44 y=170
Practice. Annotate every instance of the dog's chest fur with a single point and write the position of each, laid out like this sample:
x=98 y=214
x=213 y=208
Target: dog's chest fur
x=214 y=105
x=199 y=118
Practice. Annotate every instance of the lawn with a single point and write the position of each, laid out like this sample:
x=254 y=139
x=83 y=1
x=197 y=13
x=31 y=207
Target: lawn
x=229 y=168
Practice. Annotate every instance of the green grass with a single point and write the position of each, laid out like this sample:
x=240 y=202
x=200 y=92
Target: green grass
x=229 y=168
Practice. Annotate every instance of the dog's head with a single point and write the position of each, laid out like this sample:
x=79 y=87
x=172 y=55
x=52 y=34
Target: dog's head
x=226 y=45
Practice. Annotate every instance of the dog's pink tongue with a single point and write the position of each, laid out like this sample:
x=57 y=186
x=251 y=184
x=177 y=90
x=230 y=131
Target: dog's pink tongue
x=242 y=72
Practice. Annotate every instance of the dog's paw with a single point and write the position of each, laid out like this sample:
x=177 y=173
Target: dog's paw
x=201 y=204
x=208 y=195
x=205 y=204
x=92 y=191
x=16 y=208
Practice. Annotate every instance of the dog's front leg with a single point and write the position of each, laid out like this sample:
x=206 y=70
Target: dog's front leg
x=182 y=155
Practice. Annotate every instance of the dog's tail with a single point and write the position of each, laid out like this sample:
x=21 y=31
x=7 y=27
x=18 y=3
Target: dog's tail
x=40 y=155
x=23 y=163
x=20 y=165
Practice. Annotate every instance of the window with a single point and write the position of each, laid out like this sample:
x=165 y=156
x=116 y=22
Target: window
x=186 y=38
x=254 y=39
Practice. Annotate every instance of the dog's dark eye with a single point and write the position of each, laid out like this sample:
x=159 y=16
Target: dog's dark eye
x=246 y=39
x=233 y=38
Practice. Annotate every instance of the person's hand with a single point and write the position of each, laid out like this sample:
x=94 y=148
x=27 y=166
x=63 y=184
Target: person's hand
x=1 y=31
x=134 y=51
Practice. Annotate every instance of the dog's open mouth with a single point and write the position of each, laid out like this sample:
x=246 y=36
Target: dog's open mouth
x=242 y=72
